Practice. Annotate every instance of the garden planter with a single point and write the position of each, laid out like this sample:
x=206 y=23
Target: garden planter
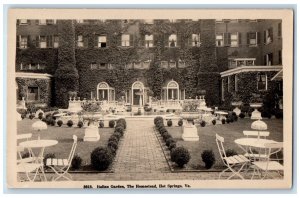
x=190 y=132
x=256 y=115
x=91 y=133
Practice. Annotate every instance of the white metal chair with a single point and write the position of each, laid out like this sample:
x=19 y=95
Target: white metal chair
x=268 y=165
x=252 y=154
x=62 y=166
x=27 y=166
x=27 y=136
x=232 y=162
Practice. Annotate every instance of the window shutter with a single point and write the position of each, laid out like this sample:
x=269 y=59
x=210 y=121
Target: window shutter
x=248 y=38
x=95 y=40
x=131 y=40
x=258 y=37
x=18 y=41
x=166 y=40
x=190 y=40
x=37 y=41
x=85 y=42
x=28 y=41
x=18 y=21
x=271 y=33
x=49 y=41
x=227 y=37
x=240 y=38
x=265 y=59
x=265 y=34
x=143 y=40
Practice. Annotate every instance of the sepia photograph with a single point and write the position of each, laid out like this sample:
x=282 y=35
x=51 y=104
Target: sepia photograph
x=149 y=99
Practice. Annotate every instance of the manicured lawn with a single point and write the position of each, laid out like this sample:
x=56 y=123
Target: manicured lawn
x=64 y=137
x=230 y=132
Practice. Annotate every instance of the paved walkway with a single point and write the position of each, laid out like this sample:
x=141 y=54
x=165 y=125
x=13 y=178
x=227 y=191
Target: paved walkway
x=139 y=150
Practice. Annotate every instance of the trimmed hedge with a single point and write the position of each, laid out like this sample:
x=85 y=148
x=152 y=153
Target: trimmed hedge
x=208 y=157
x=180 y=156
x=101 y=158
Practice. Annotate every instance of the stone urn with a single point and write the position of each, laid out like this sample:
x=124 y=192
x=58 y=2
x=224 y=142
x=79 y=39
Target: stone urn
x=190 y=132
x=237 y=109
x=256 y=115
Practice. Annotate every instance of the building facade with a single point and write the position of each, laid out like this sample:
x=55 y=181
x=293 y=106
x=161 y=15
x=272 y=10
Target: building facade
x=128 y=59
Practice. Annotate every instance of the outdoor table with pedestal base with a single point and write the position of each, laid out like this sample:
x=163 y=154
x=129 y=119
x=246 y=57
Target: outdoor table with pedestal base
x=248 y=144
x=38 y=144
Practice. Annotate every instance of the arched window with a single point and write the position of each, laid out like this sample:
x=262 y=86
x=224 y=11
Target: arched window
x=105 y=92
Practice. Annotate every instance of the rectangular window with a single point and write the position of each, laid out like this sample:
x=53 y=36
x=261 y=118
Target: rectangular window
x=222 y=90
x=279 y=29
x=252 y=38
x=43 y=42
x=137 y=65
x=23 y=42
x=23 y=21
x=33 y=94
x=196 y=40
x=79 y=41
x=146 y=64
x=102 y=41
x=268 y=36
x=128 y=66
x=173 y=40
x=148 y=41
x=125 y=40
x=219 y=40
x=164 y=64
x=262 y=83
x=228 y=82
x=234 y=39
x=181 y=64
x=268 y=59
x=49 y=21
x=103 y=66
x=94 y=66
x=42 y=22
x=55 y=41
x=235 y=83
x=172 y=64
x=279 y=57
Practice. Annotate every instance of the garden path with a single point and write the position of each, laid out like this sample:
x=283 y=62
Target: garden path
x=140 y=151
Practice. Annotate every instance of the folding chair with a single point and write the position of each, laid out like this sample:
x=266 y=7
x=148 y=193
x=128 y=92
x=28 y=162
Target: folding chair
x=25 y=165
x=231 y=162
x=27 y=136
x=253 y=156
x=62 y=166
x=268 y=165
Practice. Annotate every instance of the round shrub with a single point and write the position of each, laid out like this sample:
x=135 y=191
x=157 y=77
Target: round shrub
x=166 y=136
x=113 y=144
x=172 y=146
x=180 y=122
x=76 y=162
x=169 y=141
x=52 y=122
x=44 y=120
x=163 y=130
x=117 y=135
x=48 y=155
x=122 y=121
x=120 y=130
x=101 y=124
x=40 y=116
x=180 y=156
x=223 y=121
x=230 y=152
x=23 y=116
x=70 y=123
x=158 y=119
x=59 y=123
x=113 y=139
x=101 y=158
x=242 y=115
x=208 y=157
x=111 y=124
x=53 y=114
x=169 y=123
x=112 y=150
x=31 y=116
x=266 y=114
x=203 y=123
x=228 y=120
x=80 y=124
x=214 y=122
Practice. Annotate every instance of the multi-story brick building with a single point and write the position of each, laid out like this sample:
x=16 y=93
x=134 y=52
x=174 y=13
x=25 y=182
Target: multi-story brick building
x=166 y=59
